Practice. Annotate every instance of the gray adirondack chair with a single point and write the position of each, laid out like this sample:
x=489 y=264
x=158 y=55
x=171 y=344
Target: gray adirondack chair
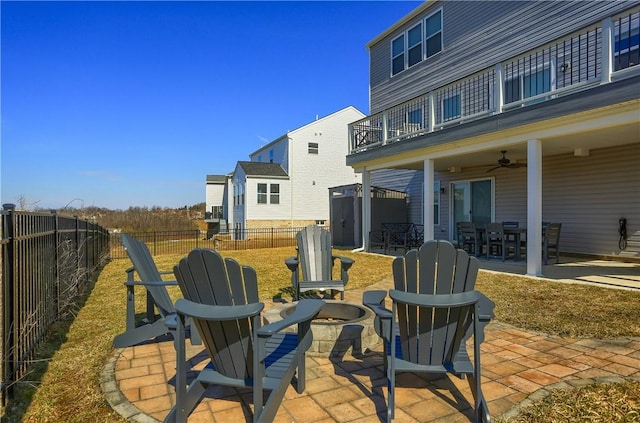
x=157 y=297
x=435 y=311
x=222 y=299
x=312 y=269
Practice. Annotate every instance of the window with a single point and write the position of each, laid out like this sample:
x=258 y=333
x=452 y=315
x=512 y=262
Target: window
x=414 y=41
x=241 y=193
x=320 y=222
x=433 y=33
x=451 y=107
x=397 y=55
x=313 y=148
x=407 y=49
x=527 y=85
x=262 y=193
x=626 y=45
x=270 y=156
x=275 y=194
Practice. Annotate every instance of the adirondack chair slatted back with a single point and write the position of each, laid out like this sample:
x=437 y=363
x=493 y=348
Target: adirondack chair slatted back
x=145 y=266
x=432 y=337
x=205 y=277
x=314 y=253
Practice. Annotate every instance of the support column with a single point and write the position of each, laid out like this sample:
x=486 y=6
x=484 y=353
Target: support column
x=534 y=207
x=366 y=208
x=428 y=199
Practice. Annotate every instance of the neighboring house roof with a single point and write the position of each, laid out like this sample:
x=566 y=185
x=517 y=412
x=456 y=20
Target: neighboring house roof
x=318 y=119
x=216 y=179
x=262 y=169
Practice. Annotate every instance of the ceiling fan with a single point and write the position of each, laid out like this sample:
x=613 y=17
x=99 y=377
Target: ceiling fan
x=504 y=162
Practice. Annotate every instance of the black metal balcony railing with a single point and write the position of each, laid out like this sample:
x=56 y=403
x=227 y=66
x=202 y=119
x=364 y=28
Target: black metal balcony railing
x=586 y=58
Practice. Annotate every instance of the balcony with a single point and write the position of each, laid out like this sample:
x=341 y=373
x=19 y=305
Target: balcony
x=593 y=56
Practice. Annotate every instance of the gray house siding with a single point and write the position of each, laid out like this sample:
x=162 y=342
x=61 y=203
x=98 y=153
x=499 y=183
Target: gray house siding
x=586 y=194
x=408 y=181
x=469 y=45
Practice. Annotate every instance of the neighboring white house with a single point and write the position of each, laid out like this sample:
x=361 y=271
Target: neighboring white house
x=286 y=182
x=215 y=215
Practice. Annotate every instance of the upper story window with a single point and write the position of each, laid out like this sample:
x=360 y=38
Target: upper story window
x=270 y=156
x=313 y=148
x=433 y=33
x=417 y=44
x=397 y=55
x=414 y=45
x=275 y=194
x=262 y=193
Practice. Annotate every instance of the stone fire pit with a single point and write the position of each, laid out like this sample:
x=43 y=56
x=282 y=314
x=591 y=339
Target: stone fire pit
x=340 y=327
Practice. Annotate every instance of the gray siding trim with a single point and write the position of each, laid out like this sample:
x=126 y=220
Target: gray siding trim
x=477 y=35
x=604 y=95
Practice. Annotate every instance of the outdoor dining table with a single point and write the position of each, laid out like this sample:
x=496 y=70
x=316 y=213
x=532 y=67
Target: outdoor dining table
x=516 y=232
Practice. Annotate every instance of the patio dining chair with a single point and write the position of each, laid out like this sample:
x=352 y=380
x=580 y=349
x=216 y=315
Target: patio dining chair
x=551 y=242
x=498 y=243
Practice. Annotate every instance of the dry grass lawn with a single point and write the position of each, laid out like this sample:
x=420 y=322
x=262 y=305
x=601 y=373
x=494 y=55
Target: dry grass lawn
x=69 y=389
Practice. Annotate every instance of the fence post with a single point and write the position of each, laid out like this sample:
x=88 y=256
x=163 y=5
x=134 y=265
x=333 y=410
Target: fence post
x=8 y=263
x=271 y=237
x=197 y=235
x=155 y=243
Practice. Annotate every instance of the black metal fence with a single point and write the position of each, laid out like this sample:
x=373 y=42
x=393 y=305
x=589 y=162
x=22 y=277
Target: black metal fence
x=181 y=242
x=47 y=261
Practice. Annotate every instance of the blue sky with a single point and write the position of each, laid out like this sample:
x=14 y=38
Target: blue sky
x=119 y=104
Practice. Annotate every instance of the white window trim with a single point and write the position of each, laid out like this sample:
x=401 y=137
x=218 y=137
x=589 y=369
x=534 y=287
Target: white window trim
x=442 y=109
x=423 y=43
x=551 y=65
x=407 y=47
x=424 y=33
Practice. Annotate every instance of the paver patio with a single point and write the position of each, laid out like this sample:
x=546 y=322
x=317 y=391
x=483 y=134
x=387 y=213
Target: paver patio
x=517 y=366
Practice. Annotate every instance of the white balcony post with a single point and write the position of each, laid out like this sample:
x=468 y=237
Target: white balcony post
x=498 y=89
x=428 y=199
x=385 y=127
x=432 y=111
x=351 y=147
x=607 y=50
x=534 y=207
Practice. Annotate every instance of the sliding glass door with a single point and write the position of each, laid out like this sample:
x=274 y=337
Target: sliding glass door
x=472 y=201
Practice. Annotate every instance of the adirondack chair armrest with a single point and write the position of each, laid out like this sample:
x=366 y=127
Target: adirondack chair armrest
x=292 y=263
x=217 y=312
x=166 y=272
x=374 y=300
x=305 y=310
x=345 y=265
x=437 y=301
x=151 y=283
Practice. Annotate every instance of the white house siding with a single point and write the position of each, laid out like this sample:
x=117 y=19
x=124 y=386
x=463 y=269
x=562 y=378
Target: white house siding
x=214 y=195
x=313 y=174
x=471 y=45
x=267 y=212
x=279 y=148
